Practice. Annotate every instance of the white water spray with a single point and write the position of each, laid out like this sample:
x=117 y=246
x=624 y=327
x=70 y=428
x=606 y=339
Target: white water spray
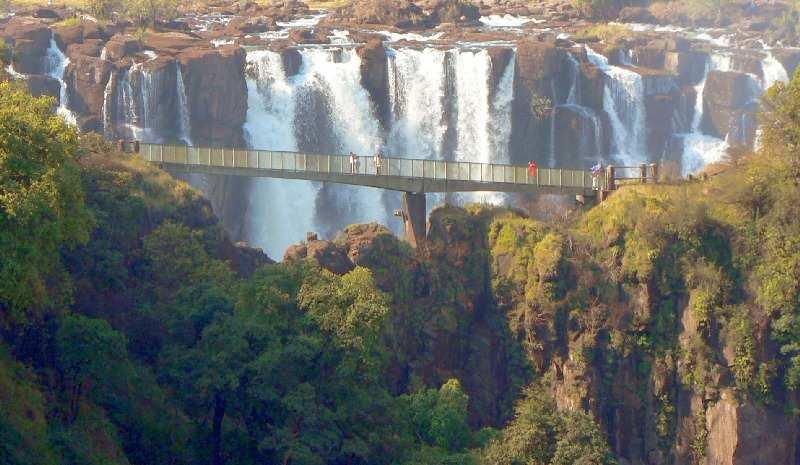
x=57 y=64
x=623 y=100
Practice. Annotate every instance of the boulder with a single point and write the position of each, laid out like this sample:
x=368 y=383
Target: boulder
x=453 y=11
x=68 y=35
x=46 y=13
x=86 y=79
x=635 y=14
x=747 y=433
x=326 y=253
x=91 y=48
x=216 y=93
x=30 y=39
x=724 y=95
x=39 y=85
x=169 y=41
x=121 y=46
x=375 y=77
x=252 y=25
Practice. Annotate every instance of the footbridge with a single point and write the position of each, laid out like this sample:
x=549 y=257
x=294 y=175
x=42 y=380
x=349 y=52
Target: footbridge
x=413 y=177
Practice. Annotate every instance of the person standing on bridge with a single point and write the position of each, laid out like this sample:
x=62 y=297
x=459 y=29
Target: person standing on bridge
x=533 y=169
x=378 y=163
x=597 y=170
x=353 y=163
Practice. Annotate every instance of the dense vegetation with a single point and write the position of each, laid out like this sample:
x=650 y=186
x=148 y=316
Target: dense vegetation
x=129 y=334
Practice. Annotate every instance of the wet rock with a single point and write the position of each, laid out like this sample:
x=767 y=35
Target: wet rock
x=86 y=79
x=688 y=66
x=501 y=57
x=216 y=93
x=91 y=47
x=250 y=25
x=121 y=46
x=173 y=41
x=724 y=96
x=68 y=35
x=40 y=85
x=375 y=77
x=578 y=135
x=539 y=67
x=30 y=39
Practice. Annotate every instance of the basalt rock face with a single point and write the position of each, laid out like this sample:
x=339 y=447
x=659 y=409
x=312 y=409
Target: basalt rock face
x=86 y=79
x=216 y=93
x=539 y=70
x=727 y=104
x=31 y=39
x=375 y=77
x=43 y=85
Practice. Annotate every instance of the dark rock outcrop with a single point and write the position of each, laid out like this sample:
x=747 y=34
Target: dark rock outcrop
x=538 y=67
x=725 y=96
x=375 y=78
x=31 y=39
x=216 y=93
x=121 y=46
x=39 y=85
x=86 y=79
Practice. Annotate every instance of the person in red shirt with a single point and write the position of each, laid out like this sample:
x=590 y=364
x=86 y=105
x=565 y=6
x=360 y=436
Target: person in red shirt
x=533 y=169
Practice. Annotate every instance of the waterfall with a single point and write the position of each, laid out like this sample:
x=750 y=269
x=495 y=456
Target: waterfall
x=280 y=211
x=773 y=70
x=139 y=104
x=108 y=93
x=574 y=96
x=322 y=108
x=417 y=93
x=184 y=124
x=701 y=149
x=56 y=65
x=623 y=100
x=472 y=71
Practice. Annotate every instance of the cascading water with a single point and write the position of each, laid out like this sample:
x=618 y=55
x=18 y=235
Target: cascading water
x=326 y=94
x=701 y=149
x=57 y=63
x=281 y=211
x=108 y=94
x=773 y=71
x=623 y=101
x=334 y=76
x=417 y=93
x=472 y=71
x=138 y=104
x=184 y=124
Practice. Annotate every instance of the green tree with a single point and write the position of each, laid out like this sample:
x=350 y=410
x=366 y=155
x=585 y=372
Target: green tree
x=449 y=428
x=41 y=203
x=580 y=442
x=150 y=12
x=89 y=353
x=531 y=437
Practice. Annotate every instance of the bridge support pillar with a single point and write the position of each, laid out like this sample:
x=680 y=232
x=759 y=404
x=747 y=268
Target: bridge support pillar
x=415 y=218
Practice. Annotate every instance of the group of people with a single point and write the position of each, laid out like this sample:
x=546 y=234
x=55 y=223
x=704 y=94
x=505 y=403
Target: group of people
x=533 y=168
x=355 y=163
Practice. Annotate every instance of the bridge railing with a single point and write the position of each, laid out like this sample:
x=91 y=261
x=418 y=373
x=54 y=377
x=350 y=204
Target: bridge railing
x=340 y=165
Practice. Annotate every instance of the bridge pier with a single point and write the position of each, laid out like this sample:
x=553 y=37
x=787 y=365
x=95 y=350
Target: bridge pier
x=414 y=216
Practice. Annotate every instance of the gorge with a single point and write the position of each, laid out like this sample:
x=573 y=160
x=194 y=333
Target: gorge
x=681 y=100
